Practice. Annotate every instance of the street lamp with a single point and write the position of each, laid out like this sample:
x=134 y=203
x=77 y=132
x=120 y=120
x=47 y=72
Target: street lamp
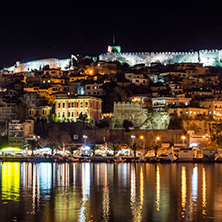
x=85 y=137
x=157 y=139
x=142 y=138
x=133 y=138
x=183 y=138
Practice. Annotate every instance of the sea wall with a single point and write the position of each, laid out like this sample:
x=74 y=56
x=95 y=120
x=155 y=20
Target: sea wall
x=120 y=136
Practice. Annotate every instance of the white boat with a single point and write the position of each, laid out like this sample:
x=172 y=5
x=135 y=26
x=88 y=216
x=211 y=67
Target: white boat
x=119 y=160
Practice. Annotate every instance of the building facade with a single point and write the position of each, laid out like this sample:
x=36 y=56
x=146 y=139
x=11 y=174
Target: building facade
x=20 y=132
x=8 y=111
x=39 y=113
x=69 y=109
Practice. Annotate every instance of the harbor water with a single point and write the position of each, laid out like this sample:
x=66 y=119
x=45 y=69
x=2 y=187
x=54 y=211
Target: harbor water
x=110 y=192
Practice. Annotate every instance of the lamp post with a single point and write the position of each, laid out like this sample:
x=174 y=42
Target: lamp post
x=183 y=138
x=85 y=137
x=157 y=139
x=133 y=138
x=142 y=138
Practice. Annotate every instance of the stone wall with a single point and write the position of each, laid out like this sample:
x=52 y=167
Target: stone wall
x=207 y=57
x=120 y=136
x=138 y=116
x=129 y=111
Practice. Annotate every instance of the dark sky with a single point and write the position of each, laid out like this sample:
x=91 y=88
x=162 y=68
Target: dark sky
x=58 y=29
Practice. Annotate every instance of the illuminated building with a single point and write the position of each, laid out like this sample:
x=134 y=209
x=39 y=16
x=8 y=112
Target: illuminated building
x=94 y=89
x=70 y=108
x=178 y=100
x=19 y=132
x=214 y=107
x=188 y=112
x=41 y=112
x=8 y=111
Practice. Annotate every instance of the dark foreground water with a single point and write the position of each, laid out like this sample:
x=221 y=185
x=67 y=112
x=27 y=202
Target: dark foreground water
x=110 y=192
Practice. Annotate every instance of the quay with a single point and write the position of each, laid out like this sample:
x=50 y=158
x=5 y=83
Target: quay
x=106 y=160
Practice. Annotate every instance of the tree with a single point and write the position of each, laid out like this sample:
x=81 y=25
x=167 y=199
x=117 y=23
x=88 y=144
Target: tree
x=32 y=144
x=83 y=117
x=155 y=148
x=127 y=124
x=56 y=138
x=135 y=147
x=94 y=147
x=72 y=148
x=115 y=148
x=54 y=118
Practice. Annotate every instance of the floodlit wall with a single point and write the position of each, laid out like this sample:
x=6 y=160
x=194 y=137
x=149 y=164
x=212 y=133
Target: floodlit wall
x=39 y=64
x=207 y=57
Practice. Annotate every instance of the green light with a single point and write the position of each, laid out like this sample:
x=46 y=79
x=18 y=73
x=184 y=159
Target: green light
x=11 y=149
x=116 y=49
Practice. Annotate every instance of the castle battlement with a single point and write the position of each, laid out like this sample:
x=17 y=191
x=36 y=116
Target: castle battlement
x=207 y=57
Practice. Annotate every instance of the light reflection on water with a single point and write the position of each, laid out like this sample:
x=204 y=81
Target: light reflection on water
x=110 y=192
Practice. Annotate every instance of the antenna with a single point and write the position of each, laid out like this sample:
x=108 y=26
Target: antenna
x=114 y=41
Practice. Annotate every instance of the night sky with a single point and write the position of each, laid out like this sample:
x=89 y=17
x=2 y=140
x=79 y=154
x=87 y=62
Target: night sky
x=58 y=29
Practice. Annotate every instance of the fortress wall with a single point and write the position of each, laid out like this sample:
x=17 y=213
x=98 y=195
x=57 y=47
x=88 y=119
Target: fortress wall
x=39 y=64
x=207 y=57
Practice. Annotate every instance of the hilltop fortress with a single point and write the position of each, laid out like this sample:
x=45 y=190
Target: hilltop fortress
x=206 y=57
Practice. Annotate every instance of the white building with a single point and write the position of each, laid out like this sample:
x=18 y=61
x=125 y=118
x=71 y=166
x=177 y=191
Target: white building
x=20 y=132
x=178 y=100
x=137 y=79
x=94 y=89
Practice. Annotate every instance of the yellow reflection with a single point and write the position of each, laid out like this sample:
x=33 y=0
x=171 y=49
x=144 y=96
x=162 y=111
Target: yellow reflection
x=85 y=190
x=10 y=181
x=158 y=188
x=183 y=191
x=141 y=187
x=204 y=192
x=135 y=200
x=106 y=199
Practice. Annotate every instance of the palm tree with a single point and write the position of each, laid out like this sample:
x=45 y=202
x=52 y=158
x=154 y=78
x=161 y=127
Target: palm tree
x=33 y=145
x=156 y=148
x=135 y=147
x=94 y=148
x=115 y=148
x=72 y=148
